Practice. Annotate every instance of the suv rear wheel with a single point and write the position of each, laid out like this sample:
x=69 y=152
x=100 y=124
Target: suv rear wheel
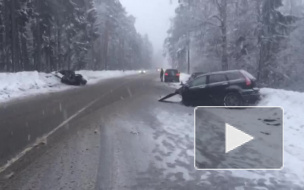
x=233 y=99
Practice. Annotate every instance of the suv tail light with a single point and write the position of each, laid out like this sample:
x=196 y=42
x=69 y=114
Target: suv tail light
x=178 y=74
x=166 y=74
x=248 y=81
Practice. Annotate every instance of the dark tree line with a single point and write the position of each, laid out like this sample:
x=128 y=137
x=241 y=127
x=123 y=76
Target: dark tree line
x=238 y=34
x=121 y=47
x=47 y=35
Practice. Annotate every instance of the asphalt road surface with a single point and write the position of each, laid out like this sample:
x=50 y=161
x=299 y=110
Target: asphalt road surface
x=113 y=135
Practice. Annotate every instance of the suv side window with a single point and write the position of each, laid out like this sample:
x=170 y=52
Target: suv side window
x=217 y=78
x=199 y=81
x=234 y=76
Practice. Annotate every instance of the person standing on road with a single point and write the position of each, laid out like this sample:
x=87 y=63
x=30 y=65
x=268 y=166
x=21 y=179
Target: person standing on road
x=161 y=74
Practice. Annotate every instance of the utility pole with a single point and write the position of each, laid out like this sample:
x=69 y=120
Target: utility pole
x=106 y=45
x=188 y=34
x=123 y=54
x=188 y=53
x=188 y=39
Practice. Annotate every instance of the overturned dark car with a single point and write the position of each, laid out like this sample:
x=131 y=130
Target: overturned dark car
x=69 y=77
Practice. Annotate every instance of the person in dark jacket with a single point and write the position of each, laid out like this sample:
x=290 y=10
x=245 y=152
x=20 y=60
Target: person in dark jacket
x=161 y=74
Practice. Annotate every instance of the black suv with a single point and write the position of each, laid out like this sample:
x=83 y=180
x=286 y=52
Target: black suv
x=228 y=88
x=171 y=75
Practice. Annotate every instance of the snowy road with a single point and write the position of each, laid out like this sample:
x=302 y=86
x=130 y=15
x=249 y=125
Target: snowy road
x=117 y=137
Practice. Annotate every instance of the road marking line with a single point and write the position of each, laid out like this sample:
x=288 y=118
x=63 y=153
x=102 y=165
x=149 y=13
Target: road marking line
x=129 y=91
x=43 y=139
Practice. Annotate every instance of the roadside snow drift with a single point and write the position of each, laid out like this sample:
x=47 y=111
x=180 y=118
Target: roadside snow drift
x=291 y=175
x=15 y=85
x=293 y=106
x=293 y=171
x=21 y=84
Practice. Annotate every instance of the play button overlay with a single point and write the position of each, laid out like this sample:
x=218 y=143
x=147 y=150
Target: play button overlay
x=235 y=138
x=242 y=138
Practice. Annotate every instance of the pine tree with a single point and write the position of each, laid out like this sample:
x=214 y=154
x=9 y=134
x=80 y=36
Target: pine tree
x=47 y=35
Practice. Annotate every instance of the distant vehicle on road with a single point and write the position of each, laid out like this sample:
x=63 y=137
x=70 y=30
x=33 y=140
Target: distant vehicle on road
x=228 y=88
x=171 y=75
x=142 y=71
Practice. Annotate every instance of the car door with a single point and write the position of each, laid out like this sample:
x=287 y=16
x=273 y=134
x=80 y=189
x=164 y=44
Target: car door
x=197 y=89
x=217 y=84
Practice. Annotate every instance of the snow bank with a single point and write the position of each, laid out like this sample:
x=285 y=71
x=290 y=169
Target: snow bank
x=25 y=80
x=16 y=85
x=293 y=171
x=293 y=105
x=22 y=84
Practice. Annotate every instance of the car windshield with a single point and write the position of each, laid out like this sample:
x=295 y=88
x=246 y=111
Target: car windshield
x=171 y=72
x=151 y=94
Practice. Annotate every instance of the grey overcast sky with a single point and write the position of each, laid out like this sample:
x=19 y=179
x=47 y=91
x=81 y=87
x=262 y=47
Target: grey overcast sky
x=152 y=18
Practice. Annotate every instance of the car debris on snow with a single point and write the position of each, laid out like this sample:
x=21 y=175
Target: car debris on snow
x=168 y=96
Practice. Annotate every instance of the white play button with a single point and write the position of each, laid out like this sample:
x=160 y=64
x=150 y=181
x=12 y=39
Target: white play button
x=235 y=138
x=245 y=138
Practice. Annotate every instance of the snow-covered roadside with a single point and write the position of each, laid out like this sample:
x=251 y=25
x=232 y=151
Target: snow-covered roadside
x=293 y=171
x=23 y=84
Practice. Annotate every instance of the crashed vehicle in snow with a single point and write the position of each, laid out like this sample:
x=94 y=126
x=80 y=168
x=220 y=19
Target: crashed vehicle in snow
x=69 y=77
x=225 y=88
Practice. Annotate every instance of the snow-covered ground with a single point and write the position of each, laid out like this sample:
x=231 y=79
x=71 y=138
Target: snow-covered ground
x=293 y=105
x=22 y=84
x=293 y=172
